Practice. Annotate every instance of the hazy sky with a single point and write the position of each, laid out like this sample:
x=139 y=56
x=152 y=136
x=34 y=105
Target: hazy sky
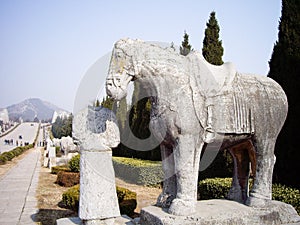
x=47 y=46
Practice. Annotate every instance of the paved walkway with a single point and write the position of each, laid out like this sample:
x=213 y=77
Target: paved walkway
x=18 y=204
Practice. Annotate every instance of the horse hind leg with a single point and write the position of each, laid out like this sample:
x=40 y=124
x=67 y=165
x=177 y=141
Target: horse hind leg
x=261 y=192
x=242 y=155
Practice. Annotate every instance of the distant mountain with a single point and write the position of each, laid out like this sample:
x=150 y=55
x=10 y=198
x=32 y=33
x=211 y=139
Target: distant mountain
x=31 y=108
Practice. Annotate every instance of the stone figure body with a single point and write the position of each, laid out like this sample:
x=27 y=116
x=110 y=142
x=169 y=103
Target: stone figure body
x=97 y=132
x=195 y=103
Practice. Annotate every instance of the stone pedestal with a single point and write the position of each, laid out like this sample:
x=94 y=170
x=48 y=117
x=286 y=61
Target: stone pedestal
x=225 y=212
x=122 y=220
x=98 y=197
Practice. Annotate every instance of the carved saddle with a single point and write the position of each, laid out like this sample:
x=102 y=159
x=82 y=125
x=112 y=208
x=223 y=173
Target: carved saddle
x=219 y=98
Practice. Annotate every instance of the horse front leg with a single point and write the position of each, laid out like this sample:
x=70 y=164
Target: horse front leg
x=165 y=199
x=186 y=168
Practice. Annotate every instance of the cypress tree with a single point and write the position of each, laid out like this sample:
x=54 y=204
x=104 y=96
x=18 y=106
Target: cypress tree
x=285 y=69
x=121 y=113
x=185 y=47
x=97 y=103
x=139 y=118
x=212 y=47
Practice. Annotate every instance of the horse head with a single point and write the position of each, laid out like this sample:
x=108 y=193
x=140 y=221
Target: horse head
x=121 y=70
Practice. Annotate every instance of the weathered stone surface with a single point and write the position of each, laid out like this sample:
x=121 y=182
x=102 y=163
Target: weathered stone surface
x=122 y=220
x=69 y=221
x=51 y=156
x=66 y=144
x=98 y=197
x=195 y=103
x=96 y=129
x=223 y=212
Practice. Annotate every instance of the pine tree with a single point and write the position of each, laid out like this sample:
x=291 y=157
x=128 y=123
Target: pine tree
x=185 y=47
x=212 y=47
x=284 y=68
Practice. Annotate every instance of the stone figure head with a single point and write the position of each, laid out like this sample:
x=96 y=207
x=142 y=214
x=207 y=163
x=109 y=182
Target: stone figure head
x=121 y=69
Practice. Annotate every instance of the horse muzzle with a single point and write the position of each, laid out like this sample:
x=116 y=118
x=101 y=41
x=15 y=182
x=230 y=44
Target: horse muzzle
x=116 y=93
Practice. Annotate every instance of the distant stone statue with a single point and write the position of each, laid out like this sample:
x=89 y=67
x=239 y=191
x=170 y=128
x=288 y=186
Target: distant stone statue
x=197 y=103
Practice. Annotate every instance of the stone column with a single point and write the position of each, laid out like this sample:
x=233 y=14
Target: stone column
x=52 y=157
x=98 y=197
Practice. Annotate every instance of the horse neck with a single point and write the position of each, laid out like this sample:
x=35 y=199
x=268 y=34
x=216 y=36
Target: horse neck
x=160 y=69
x=158 y=81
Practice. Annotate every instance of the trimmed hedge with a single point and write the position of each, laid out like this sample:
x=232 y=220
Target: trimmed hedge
x=74 y=163
x=216 y=188
x=57 y=169
x=126 y=199
x=67 y=179
x=8 y=156
x=286 y=194
x=137 y=171
x=70 y=198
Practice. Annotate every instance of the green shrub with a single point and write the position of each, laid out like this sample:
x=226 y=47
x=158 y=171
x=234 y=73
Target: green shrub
x=126 y=199
x=74 y=163
x=67 y=179
x=286 y=194
x=57 y=169
x=57 y=149
x=137 y=171
x=9 y=155
x=216 y=188
x=18 y=151
x=136 y=162
x=3 y=159
x=70 y=198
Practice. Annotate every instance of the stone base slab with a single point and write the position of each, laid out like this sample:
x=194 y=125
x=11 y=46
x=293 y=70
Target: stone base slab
x=121 y=220
x=223 y=212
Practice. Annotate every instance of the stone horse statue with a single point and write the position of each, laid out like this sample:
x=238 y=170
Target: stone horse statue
x=198 y=103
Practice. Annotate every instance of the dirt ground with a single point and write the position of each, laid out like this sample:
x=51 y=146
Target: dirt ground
x=49 y=196
x=145 y=195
